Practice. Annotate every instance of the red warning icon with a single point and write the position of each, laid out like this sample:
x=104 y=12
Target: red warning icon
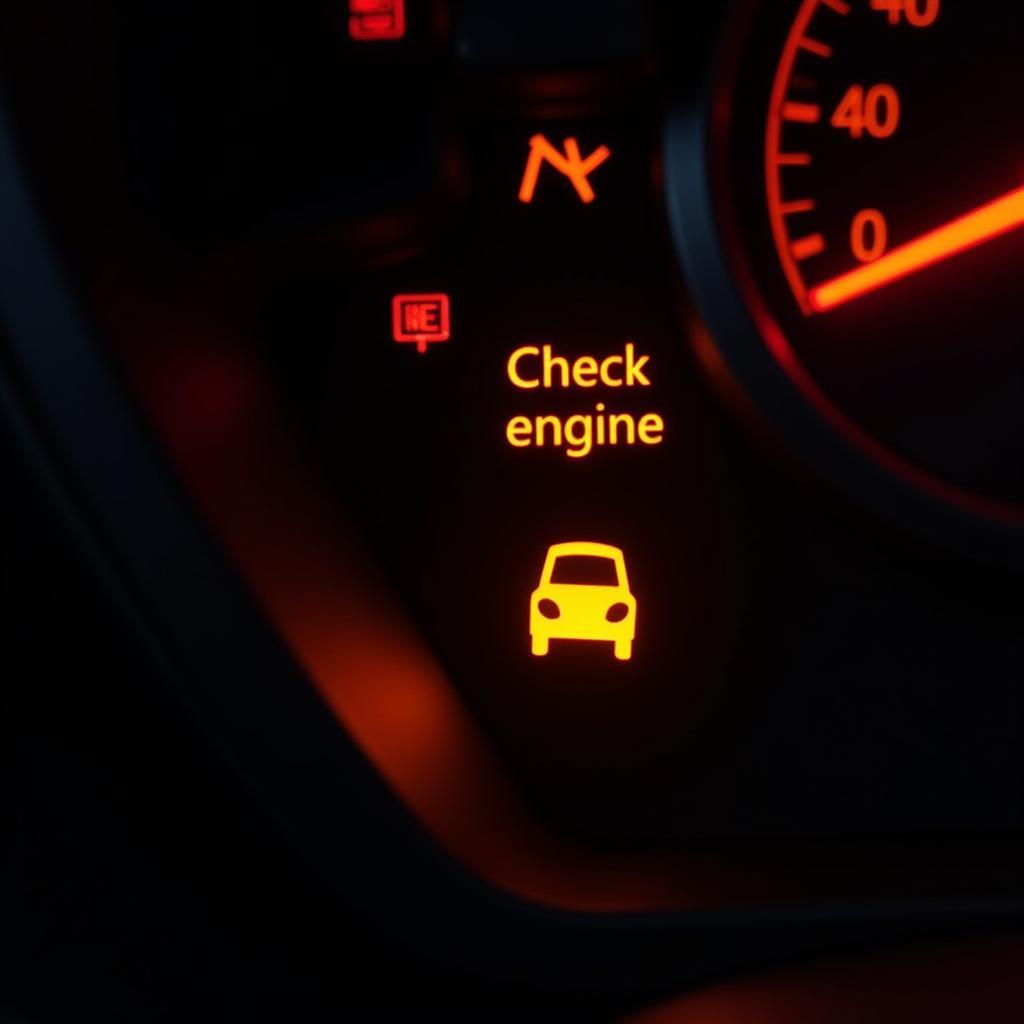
x=376 y=19
x=421 y=320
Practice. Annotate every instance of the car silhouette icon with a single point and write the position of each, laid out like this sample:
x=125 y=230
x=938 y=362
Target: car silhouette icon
x=583 y=595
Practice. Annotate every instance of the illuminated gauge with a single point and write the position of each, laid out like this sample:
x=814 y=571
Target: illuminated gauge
x=851 y=208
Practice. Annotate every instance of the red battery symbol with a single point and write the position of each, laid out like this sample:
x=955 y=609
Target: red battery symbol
x=376 y=19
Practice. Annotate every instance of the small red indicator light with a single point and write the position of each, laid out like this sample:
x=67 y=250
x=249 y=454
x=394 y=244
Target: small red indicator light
x=421 y=319
x=376 y=19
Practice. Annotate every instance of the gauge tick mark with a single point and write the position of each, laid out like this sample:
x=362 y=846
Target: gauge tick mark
x=802 y=113
x=798 y=206
x=805 y=248
x=819 y=49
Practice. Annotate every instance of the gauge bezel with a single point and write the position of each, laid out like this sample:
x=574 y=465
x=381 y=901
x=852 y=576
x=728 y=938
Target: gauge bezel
x=751 y=350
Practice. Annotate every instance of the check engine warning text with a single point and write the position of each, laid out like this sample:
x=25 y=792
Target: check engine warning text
x=540 y=368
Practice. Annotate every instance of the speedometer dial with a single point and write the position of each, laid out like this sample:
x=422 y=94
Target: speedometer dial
x=870 y=174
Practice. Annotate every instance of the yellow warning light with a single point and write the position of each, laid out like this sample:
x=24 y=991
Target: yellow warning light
x=536 y=367
x=583 y=595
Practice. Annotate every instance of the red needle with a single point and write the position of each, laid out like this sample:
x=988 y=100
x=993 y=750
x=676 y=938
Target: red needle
x=981 y=225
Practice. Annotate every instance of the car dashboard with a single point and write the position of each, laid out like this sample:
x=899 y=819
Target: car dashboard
x=565 y=458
